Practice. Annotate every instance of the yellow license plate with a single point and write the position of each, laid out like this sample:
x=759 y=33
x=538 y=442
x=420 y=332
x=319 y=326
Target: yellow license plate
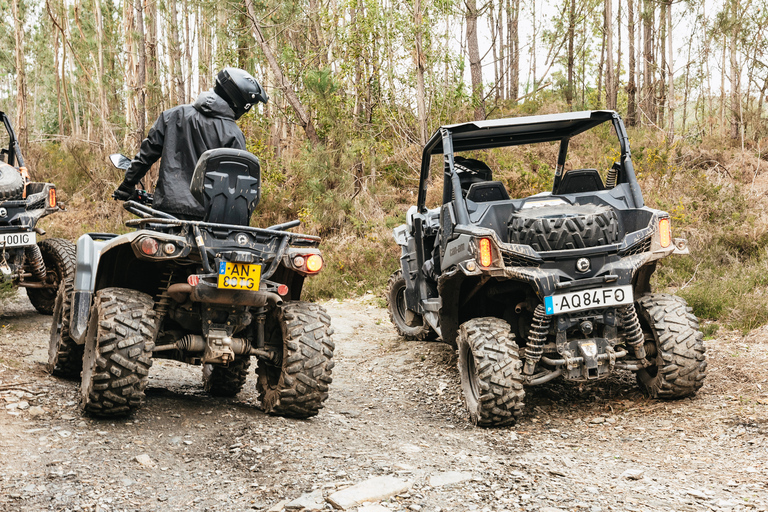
x=239 y=276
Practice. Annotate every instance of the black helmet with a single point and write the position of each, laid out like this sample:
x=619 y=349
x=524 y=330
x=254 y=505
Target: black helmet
x=239 y=89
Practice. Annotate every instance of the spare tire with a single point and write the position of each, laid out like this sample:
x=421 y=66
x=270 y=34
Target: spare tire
x=554 y=228
x=11 y=182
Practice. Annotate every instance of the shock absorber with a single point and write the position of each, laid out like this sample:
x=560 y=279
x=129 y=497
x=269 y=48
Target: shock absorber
x=536 y=338
x=633 y=333
x=36 y=263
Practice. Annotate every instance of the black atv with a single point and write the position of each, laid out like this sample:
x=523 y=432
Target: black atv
x=213 y=293
x=555 y=285
x=38 y=266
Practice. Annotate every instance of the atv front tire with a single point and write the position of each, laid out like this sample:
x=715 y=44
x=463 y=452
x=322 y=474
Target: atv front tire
x=118 y=352
x=418 y=328
x=60 y=258
x=65 y=356
x=489 y=366
x=297 y=384
x=680 y=363
x=229 y=380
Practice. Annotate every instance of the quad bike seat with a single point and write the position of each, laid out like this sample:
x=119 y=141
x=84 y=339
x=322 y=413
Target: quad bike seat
x=483 y=191
x=227 y=182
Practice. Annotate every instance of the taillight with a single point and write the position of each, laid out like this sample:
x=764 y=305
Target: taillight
x=52 y=197
x=665 y=232
x=282 y=290
x=149 y=246
x=314 y=263
x=486 y=258
x=193 y=280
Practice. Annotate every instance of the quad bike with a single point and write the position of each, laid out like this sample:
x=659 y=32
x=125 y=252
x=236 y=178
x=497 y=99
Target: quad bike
x=39 y=266
x=555 y=285
x=214 y=293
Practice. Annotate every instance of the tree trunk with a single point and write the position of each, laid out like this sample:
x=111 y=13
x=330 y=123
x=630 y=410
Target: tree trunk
x=600 y=69
x=735 y=71
x=662 y=83
x=671 y=68
x=475 y=66
x=140 y=73
x=631 y=86
x=513 y=17
x=22 y=131
x=154 y=96
x=420 y=68
x=610 y=85
x=282 y=82
x=648 y=91
x=571 y=31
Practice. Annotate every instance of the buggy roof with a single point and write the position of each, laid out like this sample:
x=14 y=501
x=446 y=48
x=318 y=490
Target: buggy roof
x=514 y=131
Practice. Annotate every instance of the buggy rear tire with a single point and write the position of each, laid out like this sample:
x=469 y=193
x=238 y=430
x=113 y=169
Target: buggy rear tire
x=11 y=182
x=397 y=310
x=229 y=380
x=118 y=352
x=65 y=356
x=60 y=258
x=490 y=366
x=297 y=384
x=680 y=363
x=564 y=227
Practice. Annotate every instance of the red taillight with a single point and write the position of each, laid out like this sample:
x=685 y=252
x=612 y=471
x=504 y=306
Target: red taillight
x=485 y=252
x=193 y=280
x=314 y=263
x=149 y=246
x=665 y=232
x=52 y=197
x=282 y=290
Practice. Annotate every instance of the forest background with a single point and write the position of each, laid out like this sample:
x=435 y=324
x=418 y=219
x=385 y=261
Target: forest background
x=357 y=87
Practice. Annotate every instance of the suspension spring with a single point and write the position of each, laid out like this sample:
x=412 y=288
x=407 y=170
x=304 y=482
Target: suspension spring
x=163 y=300
x=35 y=259
x=536 y=339
x=633 y=333
x=610 y=180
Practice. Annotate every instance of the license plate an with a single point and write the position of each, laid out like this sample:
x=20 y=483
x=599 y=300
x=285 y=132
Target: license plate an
x=239 y=276
x=588 y=299
x=18 y=239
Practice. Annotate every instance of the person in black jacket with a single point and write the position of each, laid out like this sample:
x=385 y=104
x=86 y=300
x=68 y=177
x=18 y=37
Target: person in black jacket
x=183 y=133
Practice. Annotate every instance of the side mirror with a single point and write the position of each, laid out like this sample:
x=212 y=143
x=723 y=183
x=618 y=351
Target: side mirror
x=120 y=161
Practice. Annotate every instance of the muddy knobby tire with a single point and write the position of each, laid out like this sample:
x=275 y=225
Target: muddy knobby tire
x=396 y=308
x=490 y=366
x=65 y=356
x=681 y=363
x=564 y=227
x=229 y=380
x=60 y=257
x=118 y=352
x=298 y=386
x=11 y=182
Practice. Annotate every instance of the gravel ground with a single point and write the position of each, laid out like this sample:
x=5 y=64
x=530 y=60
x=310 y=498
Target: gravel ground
x=395 y=411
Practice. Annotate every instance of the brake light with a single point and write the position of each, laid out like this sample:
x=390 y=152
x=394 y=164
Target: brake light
x=149 y=246
x=193 y=280
x=485 y=252
x=665 y=232
x=52 y=197
x=314 y=263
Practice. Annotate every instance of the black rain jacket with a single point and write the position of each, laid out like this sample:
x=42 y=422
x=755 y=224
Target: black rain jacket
x=179 y=136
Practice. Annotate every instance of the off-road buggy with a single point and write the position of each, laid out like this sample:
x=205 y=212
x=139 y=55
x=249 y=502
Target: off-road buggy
x=213 y=292
x=38 y=266
x=555 y=285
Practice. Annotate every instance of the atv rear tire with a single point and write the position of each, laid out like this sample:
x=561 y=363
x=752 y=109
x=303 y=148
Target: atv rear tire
x=226 y=380
x=680 y=363
x=60 y=258
x=65 y=356
x=397 y=310
x=564 y=227
x=11 y=182
x=297 y=385
x=118 y=352
x=489 y=366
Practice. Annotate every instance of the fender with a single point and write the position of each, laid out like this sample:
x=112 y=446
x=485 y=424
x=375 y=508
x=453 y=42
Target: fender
x=90 y=248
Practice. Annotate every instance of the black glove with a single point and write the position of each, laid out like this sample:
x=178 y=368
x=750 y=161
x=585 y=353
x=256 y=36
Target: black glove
x=124 y=191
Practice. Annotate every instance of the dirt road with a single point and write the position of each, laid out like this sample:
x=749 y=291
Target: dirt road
x=395 y=410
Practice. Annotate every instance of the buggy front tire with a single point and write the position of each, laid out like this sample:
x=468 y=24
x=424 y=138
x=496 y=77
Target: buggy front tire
x=118 y=352
x=418 y=328
x=296 y=384
x=489 y=367
x=680 y=363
